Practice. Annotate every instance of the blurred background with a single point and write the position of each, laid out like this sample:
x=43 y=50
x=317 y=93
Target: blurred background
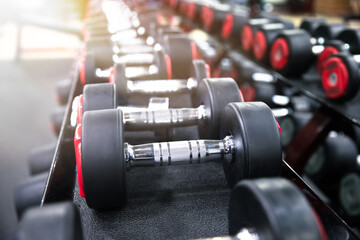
x=39 y=42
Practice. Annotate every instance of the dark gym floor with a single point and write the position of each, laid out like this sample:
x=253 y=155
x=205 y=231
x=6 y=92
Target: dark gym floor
x=26 y=100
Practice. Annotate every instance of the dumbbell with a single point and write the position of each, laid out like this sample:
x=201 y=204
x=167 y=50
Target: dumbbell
x=40 y=158
x=213 y=15
x=233 y=22
x=59 y=221
x=249 y=148
x=154 y=66
x=179 y=48
x=29 y=193
x=294 y=50
x=62 y=91
x=349 y=196
x=340 y=76
x=332 y=160
x=250 y=28
x=272 y=209
x=212 y=95
x=347 y=41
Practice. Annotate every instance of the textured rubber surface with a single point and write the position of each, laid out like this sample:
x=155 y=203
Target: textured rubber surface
x=175 y=202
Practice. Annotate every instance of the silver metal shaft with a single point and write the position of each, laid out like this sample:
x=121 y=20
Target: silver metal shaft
x=244 y=234
x=149 y=118
x=179 y=152
x=135 y=59
x=161 y=86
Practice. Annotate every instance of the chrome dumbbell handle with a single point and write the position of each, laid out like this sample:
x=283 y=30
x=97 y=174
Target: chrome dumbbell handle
x=135 y=59
x=244 y=234
x=163 y=117
x=132 y=72
x=179 y=152
x=161 y=86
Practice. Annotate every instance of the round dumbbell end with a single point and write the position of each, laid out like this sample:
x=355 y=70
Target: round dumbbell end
x=324 y=56
x=273 y=208
x=335 y=78
x=256 y=138
x=246 y=38
x=350 y=194
x=260 y=45
x=227 y=26
x=279 y=55
x=103 y=159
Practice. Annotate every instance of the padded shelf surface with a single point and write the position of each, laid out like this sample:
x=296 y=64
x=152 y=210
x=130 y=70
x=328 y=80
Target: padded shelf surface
x=176 y=202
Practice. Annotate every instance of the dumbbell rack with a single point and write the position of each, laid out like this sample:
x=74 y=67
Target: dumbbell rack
x=62 y=177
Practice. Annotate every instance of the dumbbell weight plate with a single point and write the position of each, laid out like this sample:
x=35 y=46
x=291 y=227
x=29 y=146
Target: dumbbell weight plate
x=215 y=94
x=257 y=152
x=274 y=208
x=350 y=194
x=104 y=172
x=93 y=97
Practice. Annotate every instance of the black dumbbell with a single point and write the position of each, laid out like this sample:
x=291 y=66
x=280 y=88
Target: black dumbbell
x=62 y=91
x=211 y=97
x=248 y=31
x=293 y=51
x=272 y=209
x=213 y=15
x=150 y=66
x=29 y=193
x=349 y=196
x=40 y=158
x=332 y=160
x=250 y=148
x=234 y=21
x=340 y=76
x=59 y=221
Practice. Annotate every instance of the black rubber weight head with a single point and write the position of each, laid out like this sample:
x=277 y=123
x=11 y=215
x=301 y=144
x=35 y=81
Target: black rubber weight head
x=160 y=61
x=120 y=83
x=351 y=37
x=329 y=31
x=311 y=24
x=102 y=49
x=350 y=194
x=99 y=96
x=300 y=53
x=55 y=221
x=274 y=208
x=180 y=52
x=103 y=159
x=215 y=94
x=199 y=70
x=257 y=141
x=90 y=68
x=40 y=158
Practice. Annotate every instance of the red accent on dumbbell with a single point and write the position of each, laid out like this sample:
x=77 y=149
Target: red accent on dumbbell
x=324 y=56
x=246 y=38
x=112 y=74
x=207 y=17
x=194 y=51
x=335 y=78
x=208 y=70
x=77 y=145
x=79 y=109
x=278 y=126
x=279 y=55
x=227 y=26
x=191 y=10
x=259 y=47
x=82 y=65
x=248 y=93
x=183 y=7
x=320 y=226
x=168 y=66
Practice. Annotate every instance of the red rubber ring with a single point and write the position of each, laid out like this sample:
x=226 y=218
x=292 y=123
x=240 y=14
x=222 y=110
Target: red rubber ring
x=227 y=26
x=279 y=55
x=248 y=93
x=82 y=65
x=191 y=10
x=112 y=74
x=77 y=145
x=208 y=17
x=320 y=226
x=324 y=56
x=335 y=78
x=194 y=51
x=168 y=66
x=260 y=45
x=246 y=38
x=79 y=109
x=208 y=70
